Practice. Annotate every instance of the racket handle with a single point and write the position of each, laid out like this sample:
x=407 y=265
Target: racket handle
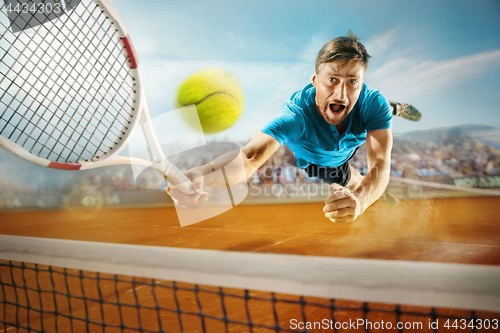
x=178 y=179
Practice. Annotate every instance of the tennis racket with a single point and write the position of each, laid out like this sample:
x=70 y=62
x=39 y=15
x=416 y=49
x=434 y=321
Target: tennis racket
x=71 y=89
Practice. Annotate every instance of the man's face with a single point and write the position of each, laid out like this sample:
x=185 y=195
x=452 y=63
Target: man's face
x=338 y=85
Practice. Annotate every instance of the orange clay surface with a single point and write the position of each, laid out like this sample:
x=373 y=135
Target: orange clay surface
x=463 y=230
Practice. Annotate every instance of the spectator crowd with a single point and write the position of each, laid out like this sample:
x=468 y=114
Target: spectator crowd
x=452 y=157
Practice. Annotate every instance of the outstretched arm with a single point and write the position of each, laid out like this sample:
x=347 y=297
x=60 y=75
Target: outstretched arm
x=254 y=155
x=378 y=156
x=345 y=204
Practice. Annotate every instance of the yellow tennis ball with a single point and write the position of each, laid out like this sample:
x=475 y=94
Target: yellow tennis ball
x=218 y=98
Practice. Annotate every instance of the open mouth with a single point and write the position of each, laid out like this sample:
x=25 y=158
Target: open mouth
x=337 y=108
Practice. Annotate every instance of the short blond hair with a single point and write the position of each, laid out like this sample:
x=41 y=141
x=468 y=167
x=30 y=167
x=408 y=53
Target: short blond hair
x=347 y=47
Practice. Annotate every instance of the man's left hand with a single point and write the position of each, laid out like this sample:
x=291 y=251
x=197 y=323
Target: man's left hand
x=342 y=205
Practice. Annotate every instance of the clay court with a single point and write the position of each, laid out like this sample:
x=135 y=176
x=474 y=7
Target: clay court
x=447 y=230
x=453 y=230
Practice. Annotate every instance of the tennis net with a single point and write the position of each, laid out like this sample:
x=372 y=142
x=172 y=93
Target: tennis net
x=49 y=285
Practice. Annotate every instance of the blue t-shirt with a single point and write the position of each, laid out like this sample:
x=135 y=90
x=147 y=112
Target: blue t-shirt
x=313 y=141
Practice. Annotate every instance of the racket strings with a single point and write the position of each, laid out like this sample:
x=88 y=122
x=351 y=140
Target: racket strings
x=25 y=23
x=67 y=63
x=100 y=80
x=67 y=87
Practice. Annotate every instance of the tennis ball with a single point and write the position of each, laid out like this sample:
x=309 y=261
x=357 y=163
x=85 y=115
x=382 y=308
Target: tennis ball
x=218 y=98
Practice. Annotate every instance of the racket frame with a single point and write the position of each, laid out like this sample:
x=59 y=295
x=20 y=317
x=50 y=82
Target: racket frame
x=140 y=116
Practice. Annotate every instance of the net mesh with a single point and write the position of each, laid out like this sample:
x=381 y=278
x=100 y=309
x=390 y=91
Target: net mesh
x=66 y=89
x=180 y=290
x=41 y=298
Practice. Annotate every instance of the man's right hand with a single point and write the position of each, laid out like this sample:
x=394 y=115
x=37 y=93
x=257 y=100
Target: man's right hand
x=193 y=201
x=254 y=154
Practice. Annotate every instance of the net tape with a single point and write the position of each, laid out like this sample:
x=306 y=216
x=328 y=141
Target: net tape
x=59 y=300
x=206 y=300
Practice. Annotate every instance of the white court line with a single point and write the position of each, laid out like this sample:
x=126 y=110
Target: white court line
x=369 y=280
x=446 y=186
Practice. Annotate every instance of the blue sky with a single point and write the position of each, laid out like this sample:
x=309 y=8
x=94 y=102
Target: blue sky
x=442 y=56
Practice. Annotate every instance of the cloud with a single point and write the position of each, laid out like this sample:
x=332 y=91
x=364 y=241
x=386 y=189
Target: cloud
x=379 y=45
x=404 y=77
x=311 y=50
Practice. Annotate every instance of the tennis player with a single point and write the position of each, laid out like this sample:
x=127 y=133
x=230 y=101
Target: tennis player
x=323 y=124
